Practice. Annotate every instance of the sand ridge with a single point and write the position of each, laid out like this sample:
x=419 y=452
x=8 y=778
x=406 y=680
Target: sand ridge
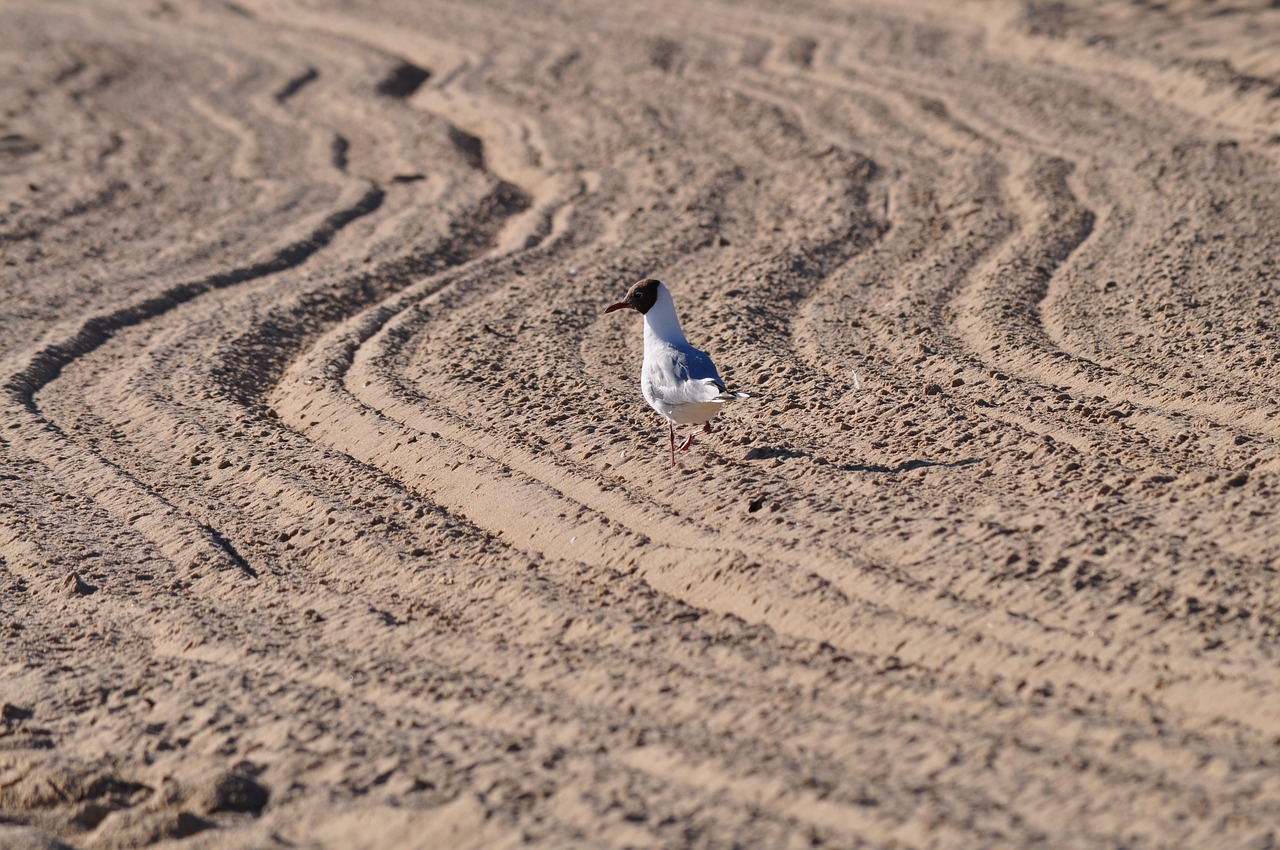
x=331 y=514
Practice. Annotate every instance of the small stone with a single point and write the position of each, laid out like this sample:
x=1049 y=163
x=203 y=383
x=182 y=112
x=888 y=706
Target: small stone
x=230 y=791
x=77 y=585
x=932 y=389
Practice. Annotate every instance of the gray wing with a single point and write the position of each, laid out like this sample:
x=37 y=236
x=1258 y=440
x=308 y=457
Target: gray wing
x=691 y=378
x=700 y=369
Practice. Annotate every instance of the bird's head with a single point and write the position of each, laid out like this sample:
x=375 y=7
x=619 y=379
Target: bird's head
x=640 y=297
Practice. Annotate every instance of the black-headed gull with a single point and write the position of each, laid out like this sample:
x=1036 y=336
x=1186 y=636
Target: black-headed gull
x=678 y=380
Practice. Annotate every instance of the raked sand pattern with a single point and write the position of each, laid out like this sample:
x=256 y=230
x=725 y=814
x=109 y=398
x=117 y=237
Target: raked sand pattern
x=331 y=514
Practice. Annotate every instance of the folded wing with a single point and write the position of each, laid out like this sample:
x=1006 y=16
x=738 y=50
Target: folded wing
x=687 y=376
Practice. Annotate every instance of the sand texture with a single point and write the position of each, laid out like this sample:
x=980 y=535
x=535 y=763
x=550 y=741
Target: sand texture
x=331 y=515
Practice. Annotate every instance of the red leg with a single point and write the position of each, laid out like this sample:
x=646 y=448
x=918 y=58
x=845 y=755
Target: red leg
x=688 y=441
x=671 y=429
x=706 y=427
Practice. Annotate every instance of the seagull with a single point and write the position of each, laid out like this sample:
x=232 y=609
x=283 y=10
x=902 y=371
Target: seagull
x=678 y=380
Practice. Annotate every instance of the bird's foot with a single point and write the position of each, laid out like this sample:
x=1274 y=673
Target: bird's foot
x=684 y=447
x=706 y=427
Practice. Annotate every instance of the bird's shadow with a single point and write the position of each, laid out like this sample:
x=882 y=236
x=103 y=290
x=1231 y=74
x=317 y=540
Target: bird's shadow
x=907 y=466
x=769 y=452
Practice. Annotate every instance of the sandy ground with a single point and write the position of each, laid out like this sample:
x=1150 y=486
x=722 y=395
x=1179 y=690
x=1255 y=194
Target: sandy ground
x=331 y=514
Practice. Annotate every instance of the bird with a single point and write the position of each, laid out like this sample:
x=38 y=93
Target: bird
x=679 y=381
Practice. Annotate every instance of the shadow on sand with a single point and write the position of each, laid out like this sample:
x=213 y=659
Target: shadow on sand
x=906 y=466
x=769 y=452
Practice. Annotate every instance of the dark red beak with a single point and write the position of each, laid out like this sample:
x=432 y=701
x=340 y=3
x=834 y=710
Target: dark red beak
x=621 y=305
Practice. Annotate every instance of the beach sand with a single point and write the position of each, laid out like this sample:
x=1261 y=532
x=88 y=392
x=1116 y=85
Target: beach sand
x=331 y=514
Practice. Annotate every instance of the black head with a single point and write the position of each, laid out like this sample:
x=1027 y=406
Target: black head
x=640 y=297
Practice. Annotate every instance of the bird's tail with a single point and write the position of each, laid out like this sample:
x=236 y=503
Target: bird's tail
x=723 y=393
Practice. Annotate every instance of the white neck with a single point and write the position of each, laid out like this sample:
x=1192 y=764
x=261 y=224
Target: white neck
x=661 y=322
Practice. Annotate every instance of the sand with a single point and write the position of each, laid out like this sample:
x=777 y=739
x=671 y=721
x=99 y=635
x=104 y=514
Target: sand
x=331 y=515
